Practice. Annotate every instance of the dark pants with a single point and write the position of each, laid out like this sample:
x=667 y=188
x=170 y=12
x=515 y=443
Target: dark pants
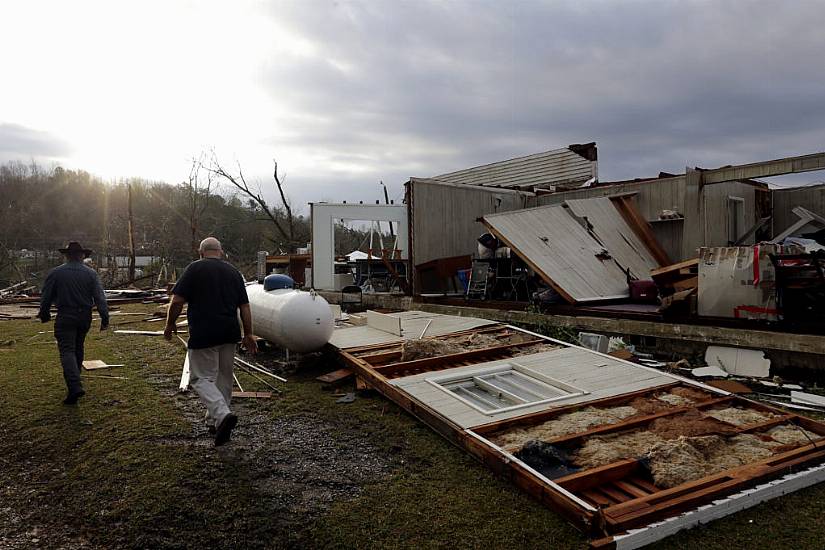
x=70 y=330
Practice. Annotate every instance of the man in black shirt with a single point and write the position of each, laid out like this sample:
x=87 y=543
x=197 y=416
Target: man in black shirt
x=74 y=288
x=214 y=291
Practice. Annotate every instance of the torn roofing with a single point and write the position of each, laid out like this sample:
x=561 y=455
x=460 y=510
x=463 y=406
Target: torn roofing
x=575 y=163
x=581 y=248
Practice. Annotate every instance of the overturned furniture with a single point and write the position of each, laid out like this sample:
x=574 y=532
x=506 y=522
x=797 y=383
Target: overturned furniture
x=627 y=453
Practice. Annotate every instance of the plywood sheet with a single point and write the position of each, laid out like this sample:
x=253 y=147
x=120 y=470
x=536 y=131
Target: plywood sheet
x=413 y=325
x=615 y=234
x=561 y=250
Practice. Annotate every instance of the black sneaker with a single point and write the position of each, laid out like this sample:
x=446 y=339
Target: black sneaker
x=224 y=430
x=71 y=398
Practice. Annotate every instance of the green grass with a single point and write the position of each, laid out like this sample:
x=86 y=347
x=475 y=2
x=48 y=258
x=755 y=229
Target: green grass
x=106 y=473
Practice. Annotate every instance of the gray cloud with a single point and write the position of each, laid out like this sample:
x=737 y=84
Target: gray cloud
x=18 y=141
x=420 y=88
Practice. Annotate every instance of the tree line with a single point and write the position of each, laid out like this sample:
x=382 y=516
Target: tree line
x=44 y=207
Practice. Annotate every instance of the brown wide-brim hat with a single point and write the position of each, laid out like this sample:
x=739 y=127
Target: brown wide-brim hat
x=74 y=247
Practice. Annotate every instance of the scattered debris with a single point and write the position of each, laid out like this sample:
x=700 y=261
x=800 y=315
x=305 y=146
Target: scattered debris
x=739 y=361
x=252 y=394
x=95 y=364
x=596 y=342
x=704 y=372
x=348 y=398
x=548 y=460
x=807 y=398
x=335 y=377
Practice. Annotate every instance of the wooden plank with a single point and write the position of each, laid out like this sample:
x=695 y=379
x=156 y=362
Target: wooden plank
x=335 y=376
x=95 y=364
x=596 y=497
x=252 y=394
x=593 y=477
x=668 y=269
x=635 y=422
x=643 y=229
x=437 y=363
x=631 y=488
x=616 y=234
x=647 y=509
x=615 y=494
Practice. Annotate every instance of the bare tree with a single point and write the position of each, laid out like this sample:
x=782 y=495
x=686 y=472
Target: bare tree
x=197 y=196
x=238 y=180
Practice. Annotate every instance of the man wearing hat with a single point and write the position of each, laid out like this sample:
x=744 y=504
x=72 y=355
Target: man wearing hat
x=75 y=288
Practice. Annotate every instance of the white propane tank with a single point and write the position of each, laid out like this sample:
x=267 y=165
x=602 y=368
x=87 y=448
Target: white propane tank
x=291 y=319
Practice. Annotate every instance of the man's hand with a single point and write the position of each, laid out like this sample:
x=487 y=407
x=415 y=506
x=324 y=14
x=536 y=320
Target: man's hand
x=250 y=344
x=169 y=331
x=104 y=326
x=45 y=318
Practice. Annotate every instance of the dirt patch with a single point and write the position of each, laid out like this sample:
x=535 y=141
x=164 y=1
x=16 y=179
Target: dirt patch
x=604 y=449
x=303 y=464
x=739 y=417
x=570 y=423
x=690 y=424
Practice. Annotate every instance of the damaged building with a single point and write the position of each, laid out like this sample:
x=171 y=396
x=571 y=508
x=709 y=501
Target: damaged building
x=711 y=263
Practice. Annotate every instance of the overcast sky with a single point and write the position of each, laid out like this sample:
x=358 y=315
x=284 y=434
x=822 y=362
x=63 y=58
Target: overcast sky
x=344 y=94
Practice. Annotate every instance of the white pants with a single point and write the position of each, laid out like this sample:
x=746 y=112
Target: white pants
x=211 y=377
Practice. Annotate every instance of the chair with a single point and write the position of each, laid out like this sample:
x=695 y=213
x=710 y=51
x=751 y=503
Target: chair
x=347 y=297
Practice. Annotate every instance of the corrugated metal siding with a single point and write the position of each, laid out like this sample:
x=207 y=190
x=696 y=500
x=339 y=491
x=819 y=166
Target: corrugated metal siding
x=652 y=197
x=443 y=217
x=560 y=249
x=785 y=200
x=560 y=166
x=669 y=235
x=617 y=236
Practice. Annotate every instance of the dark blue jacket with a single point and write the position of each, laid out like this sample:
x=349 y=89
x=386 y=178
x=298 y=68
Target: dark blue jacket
x=74 y=287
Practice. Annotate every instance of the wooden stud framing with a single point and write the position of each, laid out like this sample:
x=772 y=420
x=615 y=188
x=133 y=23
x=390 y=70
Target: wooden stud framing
x=622 y=490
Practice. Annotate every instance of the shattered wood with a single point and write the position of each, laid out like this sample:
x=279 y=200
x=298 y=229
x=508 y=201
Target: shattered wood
x=626 y=458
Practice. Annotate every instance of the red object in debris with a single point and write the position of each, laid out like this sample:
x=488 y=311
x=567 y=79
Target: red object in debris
x=644 y=292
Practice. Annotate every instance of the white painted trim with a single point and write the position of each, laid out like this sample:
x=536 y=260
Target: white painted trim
x=323 y=233
x=636 y=538
x=557 y=385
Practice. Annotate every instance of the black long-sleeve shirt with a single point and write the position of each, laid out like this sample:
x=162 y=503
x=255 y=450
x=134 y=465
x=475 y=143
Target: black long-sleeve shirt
x=73 y=287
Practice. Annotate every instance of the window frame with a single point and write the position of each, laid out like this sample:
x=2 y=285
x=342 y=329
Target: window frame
x=481 y=378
